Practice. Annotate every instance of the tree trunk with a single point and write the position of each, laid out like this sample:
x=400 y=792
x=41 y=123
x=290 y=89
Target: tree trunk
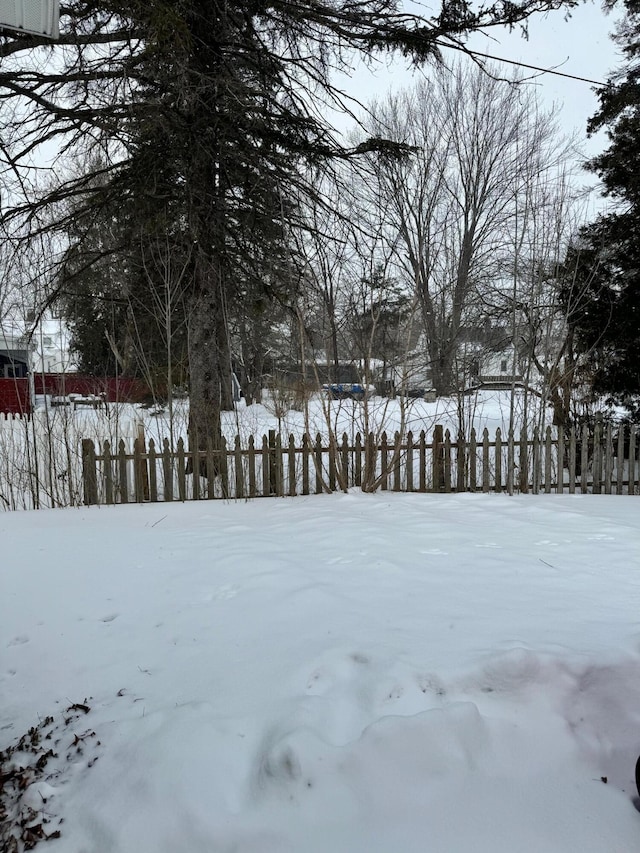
x=441 y=353
x=209 y=363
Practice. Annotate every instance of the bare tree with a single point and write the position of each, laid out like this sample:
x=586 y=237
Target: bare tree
x=328 y=252
x=525 y=298
x=547 y=336
x=452 y=204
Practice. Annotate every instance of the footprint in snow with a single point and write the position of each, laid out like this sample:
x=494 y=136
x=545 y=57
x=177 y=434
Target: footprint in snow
x=109 y=618
x=9 y=674
x=392 y=695
x=338 y=671
x=20 y=640
x=221 y=593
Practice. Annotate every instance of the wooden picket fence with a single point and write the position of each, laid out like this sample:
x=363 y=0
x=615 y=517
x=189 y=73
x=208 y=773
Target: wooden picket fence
x=593 y=461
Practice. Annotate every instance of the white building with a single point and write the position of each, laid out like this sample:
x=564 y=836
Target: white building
x=50 y=347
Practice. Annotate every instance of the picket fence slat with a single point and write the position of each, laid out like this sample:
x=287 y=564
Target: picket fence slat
x=108 y=473
x=535 y=463
x=560 y=463
x=123 y=482
x=223 y=456
x=608 y=460
x=473 y=462
x=572 y=461
x=422 y=454
x=332 y=465
x=485 y=460
x=251 y=450
x=318 y=463
x=384 y=459
x=584 y=459
x=369 y=462
x=620 y=462
x=357 y=479
x=447 y=462
x=397 y=450
x=344 y=464
x=498 y=461
x=209 y=471
x=89 y=472
x=305 y=464
x=437 y=457
x=196 y=468
x=511 y=463
x=239 y=467
x=524 y=462
x=597 y=458
x=167 y=471
x=153 y=474
x=292 y=465
x=182 y=480
x=408 y=468
x=460 y=463
x=547 y=461
x=266 y=478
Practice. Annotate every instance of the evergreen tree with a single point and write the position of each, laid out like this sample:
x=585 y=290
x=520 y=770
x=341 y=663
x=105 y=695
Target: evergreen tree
x=601 y=283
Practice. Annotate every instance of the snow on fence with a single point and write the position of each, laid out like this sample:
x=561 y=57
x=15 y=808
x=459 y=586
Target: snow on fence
x=589 y=462
x=12 y=416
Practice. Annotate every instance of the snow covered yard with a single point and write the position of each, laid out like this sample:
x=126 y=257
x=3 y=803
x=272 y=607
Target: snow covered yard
x=343 y=673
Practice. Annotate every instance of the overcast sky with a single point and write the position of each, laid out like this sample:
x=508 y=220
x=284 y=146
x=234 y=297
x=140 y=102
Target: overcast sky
x=580 y=46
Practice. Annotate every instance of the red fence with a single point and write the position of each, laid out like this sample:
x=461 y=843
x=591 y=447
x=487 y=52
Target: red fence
x=14 y=396
x=14 y=393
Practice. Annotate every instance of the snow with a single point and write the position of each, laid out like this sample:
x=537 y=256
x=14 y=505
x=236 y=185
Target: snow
x=480 y=409
x=343 y=673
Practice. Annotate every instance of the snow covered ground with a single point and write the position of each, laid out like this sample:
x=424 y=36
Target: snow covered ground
x=343 y=673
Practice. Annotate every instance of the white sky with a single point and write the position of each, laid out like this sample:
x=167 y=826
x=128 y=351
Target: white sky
x=580 y=45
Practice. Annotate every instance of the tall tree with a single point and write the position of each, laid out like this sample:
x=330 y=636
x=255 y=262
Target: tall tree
x=452 y=206
x=200 y=114
x=602 y=279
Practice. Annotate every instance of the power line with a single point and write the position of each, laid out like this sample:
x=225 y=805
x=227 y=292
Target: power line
x=521 y=64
